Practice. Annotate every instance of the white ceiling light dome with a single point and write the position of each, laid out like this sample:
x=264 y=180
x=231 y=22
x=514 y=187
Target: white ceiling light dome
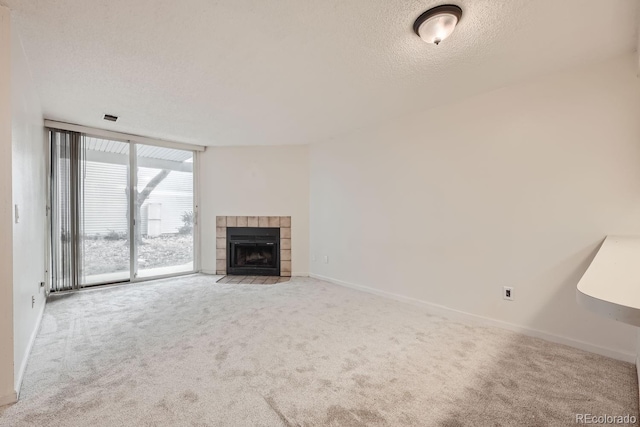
x=438 y=23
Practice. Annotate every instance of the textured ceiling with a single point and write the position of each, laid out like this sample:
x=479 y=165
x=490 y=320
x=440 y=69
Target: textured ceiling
x=256 y=72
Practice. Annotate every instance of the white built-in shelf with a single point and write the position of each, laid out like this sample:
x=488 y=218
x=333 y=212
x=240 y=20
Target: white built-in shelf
x=611 y=284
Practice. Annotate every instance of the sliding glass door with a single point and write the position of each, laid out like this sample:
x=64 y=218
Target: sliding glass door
x=104 y=217
x=164 y=211
x=120 y=211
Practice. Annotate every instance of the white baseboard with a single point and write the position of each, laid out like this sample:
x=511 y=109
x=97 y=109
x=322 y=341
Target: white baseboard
x=210 y=272
x=9 y=399
x=23 y=364
x=457 y=315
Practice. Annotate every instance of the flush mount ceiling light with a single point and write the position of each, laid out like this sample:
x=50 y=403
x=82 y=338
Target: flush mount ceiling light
x=438 y=23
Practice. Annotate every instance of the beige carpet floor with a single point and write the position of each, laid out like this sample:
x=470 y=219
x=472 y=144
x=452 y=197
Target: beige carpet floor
x=193 y=352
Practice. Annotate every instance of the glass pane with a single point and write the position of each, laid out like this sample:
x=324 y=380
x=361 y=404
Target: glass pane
x=105 y=212
x=254 y=255
x=164 y=211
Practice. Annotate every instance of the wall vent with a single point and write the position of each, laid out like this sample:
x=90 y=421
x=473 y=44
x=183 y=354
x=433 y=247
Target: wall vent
x=110 y=117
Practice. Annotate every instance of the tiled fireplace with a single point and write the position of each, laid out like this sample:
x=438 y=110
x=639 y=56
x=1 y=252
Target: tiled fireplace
x=283 y=223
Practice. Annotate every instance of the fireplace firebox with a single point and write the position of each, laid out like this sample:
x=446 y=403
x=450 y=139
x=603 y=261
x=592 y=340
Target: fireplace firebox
x=253 y=251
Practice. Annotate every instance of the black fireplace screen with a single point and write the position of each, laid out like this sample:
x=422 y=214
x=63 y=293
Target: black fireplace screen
x=254 y=254
x=253 y=251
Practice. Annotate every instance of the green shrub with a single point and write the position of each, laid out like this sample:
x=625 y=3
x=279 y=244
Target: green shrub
x=187 y=220
x=114 y=235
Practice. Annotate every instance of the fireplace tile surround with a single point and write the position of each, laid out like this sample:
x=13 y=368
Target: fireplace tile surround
x=282 y=222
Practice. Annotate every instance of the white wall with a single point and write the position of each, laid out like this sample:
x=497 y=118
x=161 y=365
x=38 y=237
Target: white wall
x=29 y=180
x=7 y=393
x=517 y=187
x=255 y=181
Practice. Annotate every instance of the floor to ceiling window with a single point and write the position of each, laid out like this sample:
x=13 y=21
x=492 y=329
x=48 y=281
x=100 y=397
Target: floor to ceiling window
x=120 y=211
x=104 y=231
x=164 y=206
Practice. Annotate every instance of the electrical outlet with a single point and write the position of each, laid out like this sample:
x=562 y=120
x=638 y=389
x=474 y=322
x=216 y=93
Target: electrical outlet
x=326 y=259
x=507 y=293
x=33 y=301
x=17 y=214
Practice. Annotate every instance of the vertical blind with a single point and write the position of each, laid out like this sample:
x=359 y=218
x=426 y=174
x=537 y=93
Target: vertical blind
x=67 y=164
